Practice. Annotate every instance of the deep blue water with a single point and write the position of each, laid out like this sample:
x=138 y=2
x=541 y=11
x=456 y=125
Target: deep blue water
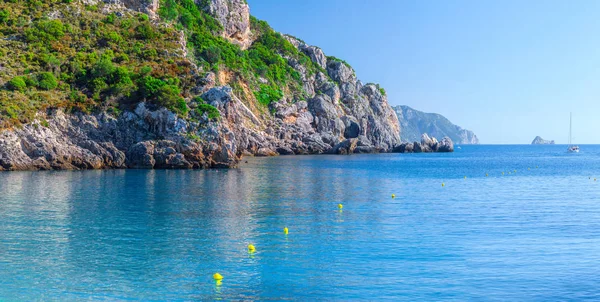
x=533 y=235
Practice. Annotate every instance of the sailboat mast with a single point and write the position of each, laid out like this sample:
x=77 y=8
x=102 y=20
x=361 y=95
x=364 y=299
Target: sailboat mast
x=570 y=126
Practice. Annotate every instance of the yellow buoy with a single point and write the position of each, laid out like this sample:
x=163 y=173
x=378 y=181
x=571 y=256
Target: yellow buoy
x=515 y=171
x=251 y=248
x=486 y=175
x=502 y=173
x=285 y=230
x=217 y=277
x=443 y=184
x=393 y=195
x=340 y=206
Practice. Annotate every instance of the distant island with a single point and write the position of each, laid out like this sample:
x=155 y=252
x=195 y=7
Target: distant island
x=540 y=141
x=414 y=123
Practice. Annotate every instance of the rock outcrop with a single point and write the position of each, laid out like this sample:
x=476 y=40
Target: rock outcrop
x=149 y=7
x=414 y=123
x=234 y=16
x=427 y=144
x=540 y=141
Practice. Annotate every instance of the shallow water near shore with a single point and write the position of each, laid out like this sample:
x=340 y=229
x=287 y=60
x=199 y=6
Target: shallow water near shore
x=533 y=234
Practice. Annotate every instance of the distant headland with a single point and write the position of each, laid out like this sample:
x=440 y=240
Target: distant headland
x=413 y=123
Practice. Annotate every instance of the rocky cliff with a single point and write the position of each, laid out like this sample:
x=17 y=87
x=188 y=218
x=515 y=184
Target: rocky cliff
x=414 y=123
x=540 y=141
x=191 y=86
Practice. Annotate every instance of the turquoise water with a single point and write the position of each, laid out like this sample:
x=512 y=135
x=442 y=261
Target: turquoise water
x=532 y=235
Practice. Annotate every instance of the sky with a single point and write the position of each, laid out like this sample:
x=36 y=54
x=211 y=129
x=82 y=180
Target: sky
x=508 y=70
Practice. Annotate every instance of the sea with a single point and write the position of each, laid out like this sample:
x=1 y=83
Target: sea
x=485 y=223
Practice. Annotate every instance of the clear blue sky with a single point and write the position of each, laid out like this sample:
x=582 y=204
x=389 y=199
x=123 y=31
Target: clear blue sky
x=508 y=70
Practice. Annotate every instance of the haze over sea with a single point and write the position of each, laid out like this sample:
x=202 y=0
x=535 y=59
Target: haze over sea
x=533 y=234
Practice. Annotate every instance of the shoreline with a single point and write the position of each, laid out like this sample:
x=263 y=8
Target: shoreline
x=404 y=148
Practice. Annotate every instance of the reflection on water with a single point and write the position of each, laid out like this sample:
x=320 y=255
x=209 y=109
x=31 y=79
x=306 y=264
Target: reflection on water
x=137 y=234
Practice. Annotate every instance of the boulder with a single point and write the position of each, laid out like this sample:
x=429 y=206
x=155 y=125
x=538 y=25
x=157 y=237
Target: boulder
x=445 y=145
x=346 y=146
x=141 y=156
x=265 y=152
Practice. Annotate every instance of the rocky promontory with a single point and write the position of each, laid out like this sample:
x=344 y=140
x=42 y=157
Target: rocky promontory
x=151 y=88
x=540 y=141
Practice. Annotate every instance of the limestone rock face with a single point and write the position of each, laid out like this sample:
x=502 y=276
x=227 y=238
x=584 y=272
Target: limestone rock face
x=149 y=7
x=234 y=16
x=141 y=139
x=352 y=108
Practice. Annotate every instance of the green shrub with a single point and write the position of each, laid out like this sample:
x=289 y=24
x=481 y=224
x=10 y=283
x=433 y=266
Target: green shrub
x=267 y=94
x=212 y=54
x=31 y=81
x=145 y=31
x=143 y=17
x=168 y=10
x=17 y=84
x=149 y=86
x=114 y=37
x=212 y=112
x=168 y=96
x=110 y=19
x=47 y=81
x=335 y=59
x=4 y=14
x=102 y=68
x=45 y=31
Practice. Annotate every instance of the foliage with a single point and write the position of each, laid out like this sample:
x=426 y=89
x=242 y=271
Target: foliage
x=47 y=81
x=264 y=59
x=87 y=60
x=381 y=90
x=45 y=31
x=4 y=14
x=84 y=60
x=267 y=94
x=335 y=59
x=168 y=96
x=211 y=111
x=17 y=83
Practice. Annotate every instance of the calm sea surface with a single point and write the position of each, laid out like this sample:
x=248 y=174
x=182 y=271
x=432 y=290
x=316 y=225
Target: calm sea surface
x=531 y=235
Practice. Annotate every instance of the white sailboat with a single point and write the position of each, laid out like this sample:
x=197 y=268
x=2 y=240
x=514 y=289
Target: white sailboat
x=572 y=148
